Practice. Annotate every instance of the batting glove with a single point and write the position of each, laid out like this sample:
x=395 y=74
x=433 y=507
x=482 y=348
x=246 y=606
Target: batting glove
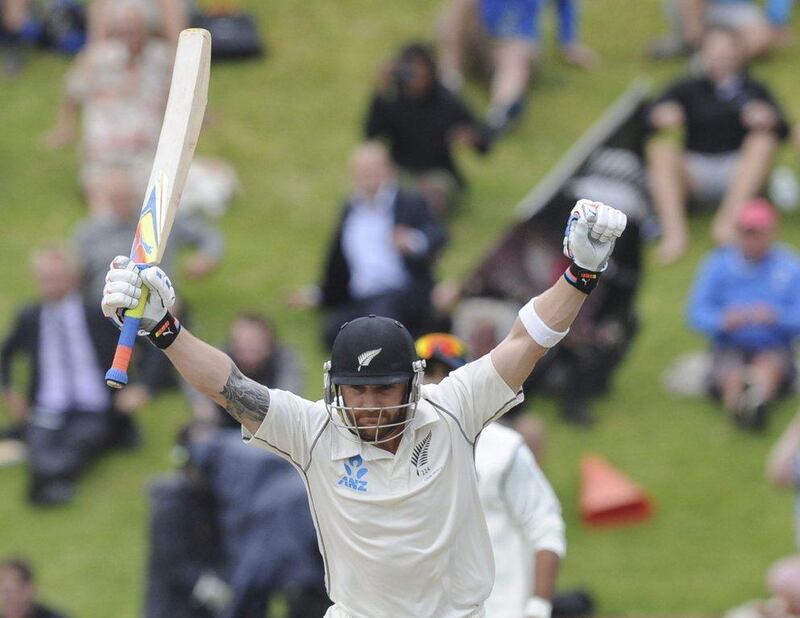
x=123 y=289
x=592 y=229
x=537 y=607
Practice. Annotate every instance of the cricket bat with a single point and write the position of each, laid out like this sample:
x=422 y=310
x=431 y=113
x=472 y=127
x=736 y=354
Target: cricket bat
x=183 y=117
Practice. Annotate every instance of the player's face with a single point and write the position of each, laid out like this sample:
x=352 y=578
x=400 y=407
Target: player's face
x=376 y=411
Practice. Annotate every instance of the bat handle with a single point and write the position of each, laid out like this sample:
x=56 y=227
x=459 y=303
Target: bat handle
x=117 y=376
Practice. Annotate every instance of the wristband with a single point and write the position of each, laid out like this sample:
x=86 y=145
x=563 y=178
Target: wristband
x=540 y=332
x=165 y=331
x=581 y=278
x=537 y=607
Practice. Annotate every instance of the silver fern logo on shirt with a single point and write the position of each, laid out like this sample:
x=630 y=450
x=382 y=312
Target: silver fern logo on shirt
x=365 y=358
x=419 y=456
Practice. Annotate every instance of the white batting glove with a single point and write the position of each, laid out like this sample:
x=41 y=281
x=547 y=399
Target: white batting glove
x=592 y=229
x=124 y=288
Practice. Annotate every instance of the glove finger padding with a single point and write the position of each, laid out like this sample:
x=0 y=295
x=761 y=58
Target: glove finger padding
x=592 y=230
x=160 y=286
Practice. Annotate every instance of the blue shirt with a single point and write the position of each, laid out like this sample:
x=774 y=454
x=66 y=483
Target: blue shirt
x=726 y=280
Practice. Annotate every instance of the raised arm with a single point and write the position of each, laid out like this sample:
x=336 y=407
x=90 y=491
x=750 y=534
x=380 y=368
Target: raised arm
x=589 y=239
x=207 y=369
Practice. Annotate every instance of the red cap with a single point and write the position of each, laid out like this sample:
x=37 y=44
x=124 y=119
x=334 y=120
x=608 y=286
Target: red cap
x=759 y=215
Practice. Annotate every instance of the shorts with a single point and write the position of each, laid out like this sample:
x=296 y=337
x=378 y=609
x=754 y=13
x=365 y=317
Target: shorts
x=734 y=15
x=511 y=19
x=726 y=359
x=710 y=175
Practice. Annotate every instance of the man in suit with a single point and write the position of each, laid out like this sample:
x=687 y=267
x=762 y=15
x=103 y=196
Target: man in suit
x=380 y=258
x=67 y=415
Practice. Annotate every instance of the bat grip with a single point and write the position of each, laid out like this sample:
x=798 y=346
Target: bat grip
x=117 y=376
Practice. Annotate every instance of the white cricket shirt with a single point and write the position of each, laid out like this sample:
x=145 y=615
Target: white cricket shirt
x=522 y=513
x=403 y=535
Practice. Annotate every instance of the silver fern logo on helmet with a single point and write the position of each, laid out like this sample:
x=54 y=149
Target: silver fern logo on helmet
x=365 y=358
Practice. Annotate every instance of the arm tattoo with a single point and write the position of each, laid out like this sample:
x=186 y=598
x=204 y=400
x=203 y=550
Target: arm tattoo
x=245 y=399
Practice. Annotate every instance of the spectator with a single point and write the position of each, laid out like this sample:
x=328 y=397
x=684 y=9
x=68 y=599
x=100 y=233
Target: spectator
x=185 y=563
x=732 y=128
x=513 y=29
x=102 y=236
x=68 y=413
x=381 y=256
x=254 y=346
x=268 y=537
x=166 y=18
x=422 y=121
x=116 y=90
x=18 y=595
x=761 y=31
x=522 y=512
x=746 y=300
x=14 y=15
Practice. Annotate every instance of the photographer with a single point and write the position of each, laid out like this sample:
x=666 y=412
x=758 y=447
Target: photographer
x=421 y=122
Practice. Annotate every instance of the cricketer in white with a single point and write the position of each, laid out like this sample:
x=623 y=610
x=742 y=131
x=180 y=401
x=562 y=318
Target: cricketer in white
x=398 y=516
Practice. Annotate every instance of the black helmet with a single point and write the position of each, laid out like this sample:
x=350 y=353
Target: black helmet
x=372 y=350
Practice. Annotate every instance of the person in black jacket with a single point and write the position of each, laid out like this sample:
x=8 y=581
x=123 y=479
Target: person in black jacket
x=67 y=416
x=421 y=122
x=382 y=253
x=732 y=127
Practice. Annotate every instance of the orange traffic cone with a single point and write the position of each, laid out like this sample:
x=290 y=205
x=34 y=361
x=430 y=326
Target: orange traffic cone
x=608 y=497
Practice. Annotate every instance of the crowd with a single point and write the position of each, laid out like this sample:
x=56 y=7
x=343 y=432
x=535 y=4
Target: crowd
x=230 y=528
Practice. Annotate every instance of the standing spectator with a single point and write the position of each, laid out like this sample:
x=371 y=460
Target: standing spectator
x=254 y=346
x=522 y=512
x=185 y=562
x=68 y=412
x=268 y=537
x=761 y=30
x=732 y=128
x=422 y=121
x=513 y=30
x=108 y=233
x=116 y=91
x=746 y=300
x=18 y=595
x=381 y=256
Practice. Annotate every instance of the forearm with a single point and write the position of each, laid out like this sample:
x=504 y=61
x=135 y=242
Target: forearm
x=214 y=374
x=546 y=573
x=515 y=357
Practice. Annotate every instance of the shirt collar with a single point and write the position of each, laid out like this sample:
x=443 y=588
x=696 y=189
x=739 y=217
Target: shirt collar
x=344 y=447
x=383 y=199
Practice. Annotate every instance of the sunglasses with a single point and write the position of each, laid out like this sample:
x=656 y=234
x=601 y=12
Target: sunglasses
x=441 y=345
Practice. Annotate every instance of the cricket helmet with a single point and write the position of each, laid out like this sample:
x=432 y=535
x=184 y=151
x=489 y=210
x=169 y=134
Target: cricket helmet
x=372 y=350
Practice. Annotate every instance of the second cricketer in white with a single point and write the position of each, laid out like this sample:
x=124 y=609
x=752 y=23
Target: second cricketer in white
x=388 y=463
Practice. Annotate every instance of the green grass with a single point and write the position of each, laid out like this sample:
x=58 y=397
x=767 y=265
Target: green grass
x=287 y=124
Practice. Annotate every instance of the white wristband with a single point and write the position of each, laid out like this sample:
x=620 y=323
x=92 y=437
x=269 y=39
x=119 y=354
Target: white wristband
x=540 y=332
x=537 y=607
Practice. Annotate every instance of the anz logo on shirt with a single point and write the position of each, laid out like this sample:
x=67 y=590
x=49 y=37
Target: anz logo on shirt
x=355 y=472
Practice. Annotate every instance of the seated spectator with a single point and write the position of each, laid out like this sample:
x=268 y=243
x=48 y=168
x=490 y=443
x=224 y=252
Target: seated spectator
x=522 y=512
x=746 y=300
x=18 y=594
x=254 y=346
x=116 y=91
x=268 y=537
x=422 y=121
x=760 y=30
x=732 y=127
x=102 y=236
x=512 y=28
x=381 y=256
x=14 y=14
x=185 y=565
x=68 y=415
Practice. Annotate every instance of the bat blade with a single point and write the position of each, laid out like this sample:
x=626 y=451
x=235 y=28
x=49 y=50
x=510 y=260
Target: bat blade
x=180 y=131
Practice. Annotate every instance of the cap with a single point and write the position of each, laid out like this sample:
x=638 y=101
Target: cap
x=444 y=348
x=757 y=214
x=372 y=350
